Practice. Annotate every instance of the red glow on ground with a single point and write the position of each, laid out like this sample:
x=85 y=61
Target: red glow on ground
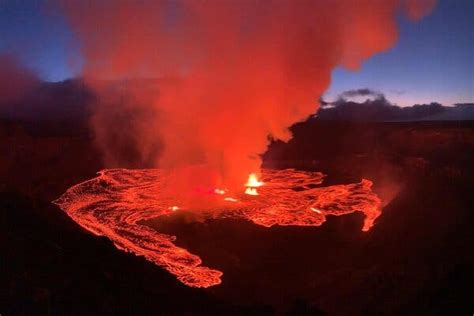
x=113 y=204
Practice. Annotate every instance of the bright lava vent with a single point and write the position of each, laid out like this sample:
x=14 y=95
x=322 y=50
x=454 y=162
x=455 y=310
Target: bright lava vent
x=115 y=202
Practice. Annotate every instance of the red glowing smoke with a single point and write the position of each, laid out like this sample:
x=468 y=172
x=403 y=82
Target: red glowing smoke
x=243 y=72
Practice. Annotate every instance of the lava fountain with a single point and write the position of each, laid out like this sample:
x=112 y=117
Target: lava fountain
x=115 y=202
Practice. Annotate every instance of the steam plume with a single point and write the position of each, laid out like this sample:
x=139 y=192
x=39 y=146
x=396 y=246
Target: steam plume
x=243 y=72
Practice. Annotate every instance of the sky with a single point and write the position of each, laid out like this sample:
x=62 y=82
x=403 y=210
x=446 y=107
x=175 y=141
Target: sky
x=432 y=61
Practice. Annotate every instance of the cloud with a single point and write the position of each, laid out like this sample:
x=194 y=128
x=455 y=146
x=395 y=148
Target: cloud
x=380 y=109
x=363 y=92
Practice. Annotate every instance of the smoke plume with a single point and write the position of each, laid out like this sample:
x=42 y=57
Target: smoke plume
x=232 y=74
x=16 y=81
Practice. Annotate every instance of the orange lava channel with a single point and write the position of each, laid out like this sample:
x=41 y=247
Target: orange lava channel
x=115 y=202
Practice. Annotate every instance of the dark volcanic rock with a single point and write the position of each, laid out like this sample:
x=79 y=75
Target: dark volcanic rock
x=50 y=266
x=416 y=260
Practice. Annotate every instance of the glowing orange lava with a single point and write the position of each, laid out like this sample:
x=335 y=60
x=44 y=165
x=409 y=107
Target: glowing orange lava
x=115 y=202
x=252 y=184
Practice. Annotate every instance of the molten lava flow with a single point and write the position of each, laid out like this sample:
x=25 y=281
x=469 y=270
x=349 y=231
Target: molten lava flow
x=115 y=202
x=219 y=191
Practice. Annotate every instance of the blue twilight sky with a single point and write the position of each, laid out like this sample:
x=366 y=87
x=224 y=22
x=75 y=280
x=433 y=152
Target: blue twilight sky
x=432 y=61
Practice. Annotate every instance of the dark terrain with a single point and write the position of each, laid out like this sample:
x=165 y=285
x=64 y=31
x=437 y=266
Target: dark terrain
x=416 y=260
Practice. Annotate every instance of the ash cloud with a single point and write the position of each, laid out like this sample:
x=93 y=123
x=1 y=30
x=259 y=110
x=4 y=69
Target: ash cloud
x=243 y=72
